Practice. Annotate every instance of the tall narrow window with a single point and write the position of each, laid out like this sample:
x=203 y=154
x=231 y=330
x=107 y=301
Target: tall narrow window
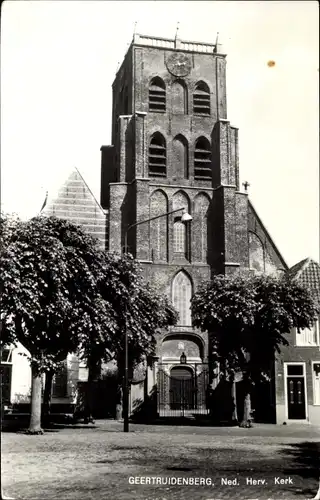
x=159 y=227
x=180 y=161
x=179 y=230
x=157 y=95
x=202 y=159
x=182 y=292
x=179 y=98
x=200 y=227
x=201 y=99
x=157 y=156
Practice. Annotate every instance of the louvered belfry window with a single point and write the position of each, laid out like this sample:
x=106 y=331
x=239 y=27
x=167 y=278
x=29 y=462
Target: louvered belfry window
x=157 y=156
x=157 y=95
x=202 y=159
x=201 y=99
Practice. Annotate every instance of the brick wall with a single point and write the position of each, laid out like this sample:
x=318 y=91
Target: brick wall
x=293 y=353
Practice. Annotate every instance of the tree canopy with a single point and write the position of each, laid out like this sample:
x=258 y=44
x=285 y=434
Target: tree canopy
x=135 y=305
x=48 y=278
x=248 y=319
x=250 y=316
x=61 y=294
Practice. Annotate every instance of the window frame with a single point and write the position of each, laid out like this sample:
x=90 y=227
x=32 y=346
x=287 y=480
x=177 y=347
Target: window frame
x=8 y=360
x=160 y=160
x=313 y=383
x=207 y=97
x=177 y=294
x=202 y=159
x=182 y=238
x=299 y=335
x=162 y=95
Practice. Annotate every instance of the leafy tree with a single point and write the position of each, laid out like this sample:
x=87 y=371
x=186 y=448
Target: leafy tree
x=248 y=318
x=137 y=308
x=61 y=294
x=49 y=299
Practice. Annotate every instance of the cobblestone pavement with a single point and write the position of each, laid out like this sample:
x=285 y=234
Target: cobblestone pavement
x=162 y=463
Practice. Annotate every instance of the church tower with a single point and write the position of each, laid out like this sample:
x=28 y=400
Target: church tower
x=174 y=148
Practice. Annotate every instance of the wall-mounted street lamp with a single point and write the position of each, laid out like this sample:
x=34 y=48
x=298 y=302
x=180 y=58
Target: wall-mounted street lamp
x=185 y=217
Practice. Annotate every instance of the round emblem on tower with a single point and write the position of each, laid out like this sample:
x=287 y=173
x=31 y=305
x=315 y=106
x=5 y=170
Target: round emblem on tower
x=179 y=64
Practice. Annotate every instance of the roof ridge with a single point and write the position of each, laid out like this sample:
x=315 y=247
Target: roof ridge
x=93 y=196
x=303 y=267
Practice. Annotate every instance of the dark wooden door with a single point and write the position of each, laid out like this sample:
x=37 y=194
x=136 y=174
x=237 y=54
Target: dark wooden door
x=296 y=398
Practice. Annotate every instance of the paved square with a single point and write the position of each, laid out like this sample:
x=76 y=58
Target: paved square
x=162 y=463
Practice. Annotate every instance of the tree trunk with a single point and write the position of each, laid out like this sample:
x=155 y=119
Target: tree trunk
x=36 y=389
x=119 y=404
x=234 y=402
x=47 y=396
x=246 y=419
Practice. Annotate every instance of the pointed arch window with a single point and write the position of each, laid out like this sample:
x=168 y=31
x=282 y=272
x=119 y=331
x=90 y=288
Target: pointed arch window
x=202 y=159
x=201 y=99
x=157 y=156
x=180 y=157
x=179 y=98
x=157 y=95
x=182 y=292
x=180 y=237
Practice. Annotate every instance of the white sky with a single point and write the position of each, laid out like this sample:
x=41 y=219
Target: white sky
x=58 y=62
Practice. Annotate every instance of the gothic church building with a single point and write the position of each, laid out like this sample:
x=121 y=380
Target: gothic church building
x=173 y=148
x=174 y=152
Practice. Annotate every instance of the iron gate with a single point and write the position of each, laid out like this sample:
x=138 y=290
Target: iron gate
x=182 y=390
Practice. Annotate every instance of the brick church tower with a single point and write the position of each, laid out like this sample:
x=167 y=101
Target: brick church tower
x=173 y=147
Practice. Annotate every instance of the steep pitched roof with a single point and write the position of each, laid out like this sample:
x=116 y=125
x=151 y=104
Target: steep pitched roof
x=295 y=270
x=307 y=272
x=76 y=203
x=256 y=224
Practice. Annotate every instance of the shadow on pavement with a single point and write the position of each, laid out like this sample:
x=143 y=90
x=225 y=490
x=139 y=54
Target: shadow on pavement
x=305 y=458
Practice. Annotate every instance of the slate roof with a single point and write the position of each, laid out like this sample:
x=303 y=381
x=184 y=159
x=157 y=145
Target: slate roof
x=307 y=272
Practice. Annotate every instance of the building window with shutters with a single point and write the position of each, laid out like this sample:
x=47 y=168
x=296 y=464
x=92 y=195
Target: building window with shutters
x=202 y=159
x=308 y=337
x=157 y=156
x=182 y=293
x=201 y=99
x=157 y=96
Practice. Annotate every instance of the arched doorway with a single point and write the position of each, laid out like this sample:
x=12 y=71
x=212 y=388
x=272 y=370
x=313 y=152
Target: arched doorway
x=181 y=388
